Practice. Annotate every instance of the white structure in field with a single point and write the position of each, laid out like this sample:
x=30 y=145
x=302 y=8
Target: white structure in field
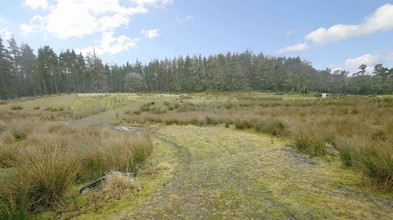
x=324 y=95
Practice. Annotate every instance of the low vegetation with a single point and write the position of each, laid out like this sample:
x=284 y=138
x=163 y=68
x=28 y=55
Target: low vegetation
x=43 y=157
x=41 y=160
x=358 y=127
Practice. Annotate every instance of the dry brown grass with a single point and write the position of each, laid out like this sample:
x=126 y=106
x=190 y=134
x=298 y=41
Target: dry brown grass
x=47 y=158
x=116 y=186
x=312 y=124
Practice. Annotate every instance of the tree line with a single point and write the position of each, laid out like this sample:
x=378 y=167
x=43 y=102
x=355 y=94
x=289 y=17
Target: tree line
x=24 y=73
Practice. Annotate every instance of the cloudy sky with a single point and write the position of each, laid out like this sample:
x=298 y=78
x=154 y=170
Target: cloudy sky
x=328 y=33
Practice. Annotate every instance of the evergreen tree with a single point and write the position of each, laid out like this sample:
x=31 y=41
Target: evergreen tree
x=27 y=66
x=97 y=73
x=14 y=56
x=47 y=70
x=5 y=73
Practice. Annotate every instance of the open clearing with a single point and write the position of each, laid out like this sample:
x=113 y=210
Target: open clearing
x=218 y=172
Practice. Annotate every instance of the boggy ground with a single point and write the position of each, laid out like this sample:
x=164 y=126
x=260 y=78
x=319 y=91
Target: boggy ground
x=222 y=173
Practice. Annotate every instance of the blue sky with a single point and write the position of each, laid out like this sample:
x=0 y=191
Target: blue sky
x=334 y=34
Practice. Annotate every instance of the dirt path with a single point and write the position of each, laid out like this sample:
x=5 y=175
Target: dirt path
x=221 y=173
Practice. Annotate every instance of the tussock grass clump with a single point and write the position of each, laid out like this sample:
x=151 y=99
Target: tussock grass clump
x=273 y=127
x=241 y=124
x=8 y=154
x=115 y=151
x=43 y=160
x=309 y=143
x=373 y=159
x=54 y=109
x=13 y=197
x=377 y=165
x=16 y=107
x=116 y=186
x=48 y=173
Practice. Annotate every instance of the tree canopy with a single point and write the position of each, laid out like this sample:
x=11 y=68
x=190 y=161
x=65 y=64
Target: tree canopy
x=23 y=73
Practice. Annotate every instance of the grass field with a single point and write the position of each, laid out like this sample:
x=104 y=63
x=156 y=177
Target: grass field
x=213 y=156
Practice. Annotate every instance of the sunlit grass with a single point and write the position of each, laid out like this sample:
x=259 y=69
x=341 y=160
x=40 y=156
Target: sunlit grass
x=47 y=158
x=311 y=123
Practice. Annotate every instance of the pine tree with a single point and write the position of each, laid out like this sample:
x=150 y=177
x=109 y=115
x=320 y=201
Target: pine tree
x=5 y=73
x=97 y=72
x=27 y=65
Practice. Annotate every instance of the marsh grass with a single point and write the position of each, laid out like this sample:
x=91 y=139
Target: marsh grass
x=41 y=160
x=48 y=172
x=309 y=143
x=16 y=107
x=312 y=124
x=116 y=186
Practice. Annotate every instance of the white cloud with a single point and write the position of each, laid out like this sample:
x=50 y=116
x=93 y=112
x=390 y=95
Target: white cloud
x=93 y=16
x=289 y=33
x=80 y=18
x=155 y=3
x=152 y=33
x=182 y=19
x=37 y=23
x=35 y=4
x=296 y=47
x=368 y=59
x=337 y=69
x=5 y=33
x=380 y=20
x=110 y=44
x=390 y=56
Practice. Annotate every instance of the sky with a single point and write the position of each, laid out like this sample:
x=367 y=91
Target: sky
x=328 y=33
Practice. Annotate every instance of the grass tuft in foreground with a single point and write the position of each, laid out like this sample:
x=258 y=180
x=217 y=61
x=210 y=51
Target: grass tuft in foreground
x=41 y=167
